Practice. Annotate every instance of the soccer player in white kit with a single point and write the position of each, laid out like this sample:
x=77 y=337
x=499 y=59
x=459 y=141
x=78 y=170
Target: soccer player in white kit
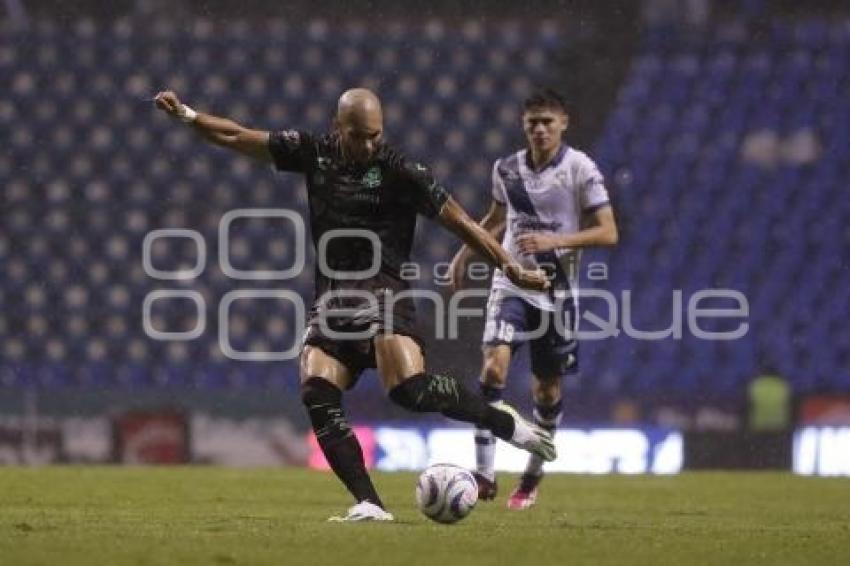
x=550 y=200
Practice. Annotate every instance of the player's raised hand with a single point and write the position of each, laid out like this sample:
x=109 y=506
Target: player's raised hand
x=533 y=280
x=168 y=101
x=535 y=242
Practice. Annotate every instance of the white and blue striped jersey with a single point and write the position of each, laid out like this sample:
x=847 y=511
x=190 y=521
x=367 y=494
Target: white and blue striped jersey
x=551 y=200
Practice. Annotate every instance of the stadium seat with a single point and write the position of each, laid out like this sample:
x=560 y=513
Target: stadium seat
x=696 y=214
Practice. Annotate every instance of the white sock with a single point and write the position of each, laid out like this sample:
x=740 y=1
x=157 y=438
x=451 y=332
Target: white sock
x=485 y=442
x=485 y=453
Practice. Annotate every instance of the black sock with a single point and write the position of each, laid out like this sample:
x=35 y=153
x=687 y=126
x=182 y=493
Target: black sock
x=426 y=393
x=336 y=439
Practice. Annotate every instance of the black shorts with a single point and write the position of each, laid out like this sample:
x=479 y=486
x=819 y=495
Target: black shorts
x=344 y=321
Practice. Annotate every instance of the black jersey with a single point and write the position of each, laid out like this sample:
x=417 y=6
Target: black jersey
x=382 y=196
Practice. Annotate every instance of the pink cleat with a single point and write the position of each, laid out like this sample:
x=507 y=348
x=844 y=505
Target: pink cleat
x=525 y=495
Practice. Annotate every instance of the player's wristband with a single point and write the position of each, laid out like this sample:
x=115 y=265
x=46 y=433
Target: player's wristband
x=186 y=114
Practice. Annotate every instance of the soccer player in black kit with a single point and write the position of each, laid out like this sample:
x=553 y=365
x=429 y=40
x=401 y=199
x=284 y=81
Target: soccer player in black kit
x=356 y=182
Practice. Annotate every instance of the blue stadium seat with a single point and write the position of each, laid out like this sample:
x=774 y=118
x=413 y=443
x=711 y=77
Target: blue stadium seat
x=695 y=213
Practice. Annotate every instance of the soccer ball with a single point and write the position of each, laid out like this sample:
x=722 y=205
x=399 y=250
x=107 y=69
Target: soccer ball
x=446 y=493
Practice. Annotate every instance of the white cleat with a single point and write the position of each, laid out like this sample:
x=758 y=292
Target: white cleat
x=364 y=511
x=528 y=436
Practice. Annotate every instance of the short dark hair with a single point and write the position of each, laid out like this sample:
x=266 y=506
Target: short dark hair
x=546 y=98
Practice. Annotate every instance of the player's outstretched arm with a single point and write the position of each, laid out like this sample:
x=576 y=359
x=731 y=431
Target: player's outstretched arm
x=220 y=131
x=453 y=217
x=494 y=223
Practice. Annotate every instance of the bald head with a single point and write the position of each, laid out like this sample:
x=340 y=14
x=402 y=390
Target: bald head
x=361 y=123
x=358 y=104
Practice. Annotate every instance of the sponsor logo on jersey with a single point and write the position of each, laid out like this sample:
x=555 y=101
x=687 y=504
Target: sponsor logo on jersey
x=527 y=223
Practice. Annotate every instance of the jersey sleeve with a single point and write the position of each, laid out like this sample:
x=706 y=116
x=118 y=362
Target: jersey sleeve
x=592 y=191
x=427 y=194
x=292 y=150
x=498 y=190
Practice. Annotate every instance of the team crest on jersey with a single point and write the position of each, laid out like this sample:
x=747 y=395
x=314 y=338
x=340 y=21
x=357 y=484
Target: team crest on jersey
x=509 y=175
x=372 y=178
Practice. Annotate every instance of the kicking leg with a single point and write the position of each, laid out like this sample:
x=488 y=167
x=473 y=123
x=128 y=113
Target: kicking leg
x=401 y=366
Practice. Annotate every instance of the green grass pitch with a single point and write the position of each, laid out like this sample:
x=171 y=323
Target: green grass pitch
x=138 y=516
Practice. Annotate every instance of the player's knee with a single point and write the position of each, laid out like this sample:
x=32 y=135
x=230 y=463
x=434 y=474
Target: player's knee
x=494 y=373
x=317 y=391
x=411 y=393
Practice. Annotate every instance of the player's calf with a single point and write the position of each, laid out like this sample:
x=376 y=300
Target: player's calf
x=429 y=393
x=336 y=439
x=444 y=394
